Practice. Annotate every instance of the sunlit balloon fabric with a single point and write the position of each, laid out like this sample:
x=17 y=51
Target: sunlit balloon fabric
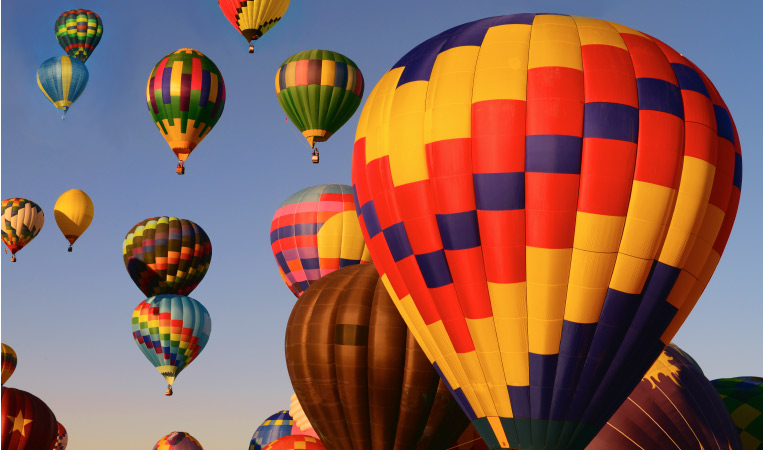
x=319 y=90
x=314 y=232
x=62 y=79
x=178 y=440
x=546 y=197
x=743 y=397
x=185 y=96
x=171 y=331
x=22 y=220
x=302 y=425
x=296 y=443
x=166 y=255
x=73 y=213
x=674 y=407
x=62 y=438
x=253 y=18
x=274 y=427
x=8 y=362
x=28 y=423
x=78 y=32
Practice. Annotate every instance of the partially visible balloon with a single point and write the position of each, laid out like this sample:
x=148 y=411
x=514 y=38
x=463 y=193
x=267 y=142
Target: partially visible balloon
x=470 y=439
x=743 y=397
x=171 y=331
x=28 y=423
x=315 y=232
x=166 y=255
x=319 y=90
x=61 y=440
x=22 y=219
x=178 y=440
x=296 y=443
x=185 y=95
x=78 y=32
x=253 y=18
x=674 y=407
x=62 y=79
x=272 y=428
x=301 y=425
x=73 y=213
x=8 y=362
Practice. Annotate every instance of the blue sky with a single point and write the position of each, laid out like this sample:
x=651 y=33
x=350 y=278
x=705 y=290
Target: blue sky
x=67 y=315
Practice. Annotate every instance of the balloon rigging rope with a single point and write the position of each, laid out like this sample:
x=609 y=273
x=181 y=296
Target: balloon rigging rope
x=467 y=442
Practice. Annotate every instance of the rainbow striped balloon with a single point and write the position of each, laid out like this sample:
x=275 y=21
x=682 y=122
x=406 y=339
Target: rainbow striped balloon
x=78 y=32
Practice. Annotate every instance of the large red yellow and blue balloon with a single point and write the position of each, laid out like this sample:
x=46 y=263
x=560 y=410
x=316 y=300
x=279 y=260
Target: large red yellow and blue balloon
x=253 y=18
x=185 y=95
x=8 y=362
x=296 y=443
x=178 y=440
x=62 y=79
x=315 y=232
x=28 y=423
x=73 y=213
x=545 y=197
x=22 y=220
x=78 y=32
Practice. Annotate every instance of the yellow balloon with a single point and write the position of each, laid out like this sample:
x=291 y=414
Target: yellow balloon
x=73 y=213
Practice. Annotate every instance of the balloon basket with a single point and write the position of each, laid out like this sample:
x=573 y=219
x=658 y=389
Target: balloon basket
x=180 y=169
x=69 y=249
x=13 y=258
x=169 y=391
x=251 y=48
x=316 y=156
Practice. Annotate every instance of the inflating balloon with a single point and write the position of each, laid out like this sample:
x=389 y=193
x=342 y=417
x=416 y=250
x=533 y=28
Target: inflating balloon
x=22 y=220
x=276 y=426
x=8 y=362
x=73 y=213
x=178 y=440
x=315 y=232
x=171 y=331
x=253 y=18
x=61 y=440
x=28 y=423
x=296 y=443
x=319 y=90
x=78 y=32
x=62 y=79
x=545 y=198
x=743 y=397
x=185 y=96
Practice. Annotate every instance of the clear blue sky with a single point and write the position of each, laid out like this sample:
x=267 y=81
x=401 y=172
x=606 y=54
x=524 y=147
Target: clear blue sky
x=67 y=315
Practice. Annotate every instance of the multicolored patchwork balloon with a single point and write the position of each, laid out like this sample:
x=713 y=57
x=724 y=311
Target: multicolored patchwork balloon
x=62 y=79
x=166 y=255
x=545 y=197
x=296 y=443
x=253 y=18
x=674 y=407
x=61 y=440
x=171 y=331
x=78 y=32
x=28 y=423
x=743 y=397
x=185 y=96
x=178 y=440
x=73 y=213
x=274 y=427
x=8 y=362
x=22 y=220
x=314 y=232
x=319 y=90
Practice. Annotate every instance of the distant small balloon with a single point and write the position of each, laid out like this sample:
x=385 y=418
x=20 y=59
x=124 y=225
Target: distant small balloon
x=178 y=440
x=78 y=32
x=62 y=79
x=8 y=362
x=22 y=221
x=73 y=213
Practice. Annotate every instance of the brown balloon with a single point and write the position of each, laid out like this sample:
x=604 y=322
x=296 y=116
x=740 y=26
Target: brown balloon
x=360 y=376
x=28 y=423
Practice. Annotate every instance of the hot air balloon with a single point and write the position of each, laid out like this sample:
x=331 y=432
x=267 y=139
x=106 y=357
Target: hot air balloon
x=302 y=426
x=22 y=220
x=315 y=232
x=178 y=440
x=276 y=426
x=61 y=440
x=545 y=197
x=185 y=96
x=8 y=362
x=171 y=331
x=28 y=423
x=73 y=212
x=296 y=443
x=319 y=90
x=166 y=255
x=78 y=32
x=358 y=373
x=673 y=407
x=743 y=397
x=470 y=440
x=62 y=79
x=253 y=18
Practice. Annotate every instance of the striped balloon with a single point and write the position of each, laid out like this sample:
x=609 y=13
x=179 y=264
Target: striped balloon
x=274 y=427
x=62 y=79
x=178 y=440
x=28 y=423
x=296 y=443
x=743 y=397
x=185 y=95
x=78 y=32
x=315 y=232
x=319 y=90
x=8 y=362
x=62 y=439
x=545 y=197
x=253 y=18
x=171 y=331
x=22 y=220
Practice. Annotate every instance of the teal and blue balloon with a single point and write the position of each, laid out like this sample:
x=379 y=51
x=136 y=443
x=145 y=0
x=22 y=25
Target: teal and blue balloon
x=62 y=79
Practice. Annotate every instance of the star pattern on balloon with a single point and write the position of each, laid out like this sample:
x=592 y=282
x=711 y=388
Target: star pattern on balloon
x=19 y=422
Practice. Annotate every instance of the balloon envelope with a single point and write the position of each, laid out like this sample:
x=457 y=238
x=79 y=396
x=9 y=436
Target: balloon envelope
x=296 y=443
x=78 y=32
x=62 y=79
x=62 y=438
x=22 y=220
x=73 y=213
x=302 y=425
x=743 y=397
x=28 y=423
x=9 y=361
x=545 y=197
x=178 y=440
x=272 y=428
x=253 y=18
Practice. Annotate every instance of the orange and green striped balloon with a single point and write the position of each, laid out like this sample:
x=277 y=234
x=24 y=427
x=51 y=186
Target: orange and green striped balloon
x=22 y=220
x=78 y=32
